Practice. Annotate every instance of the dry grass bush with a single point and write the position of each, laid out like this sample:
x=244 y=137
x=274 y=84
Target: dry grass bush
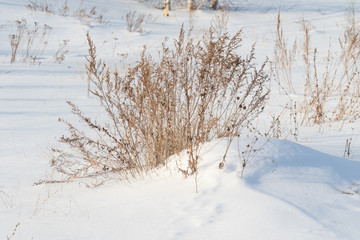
x=88 y=16
x=318 y=88
x=332 y=86
x=41 y=5
x=329 y=82
x=30 y=42
x=84 y=14
x=195 y=92
x=135 y=21
x=349 y=87
x=16 y=39
x=64 y=10
x=350 y=44
x=59 y=56
x=195 y=4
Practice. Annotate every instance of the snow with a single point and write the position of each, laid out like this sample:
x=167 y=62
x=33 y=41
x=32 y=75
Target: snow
x=294 y=188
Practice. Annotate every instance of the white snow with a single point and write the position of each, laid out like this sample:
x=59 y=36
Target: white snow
x=293 y=188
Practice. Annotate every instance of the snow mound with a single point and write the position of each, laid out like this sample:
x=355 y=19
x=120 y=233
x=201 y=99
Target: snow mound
x=288 y=161
x=283 y=160
x=318 y=187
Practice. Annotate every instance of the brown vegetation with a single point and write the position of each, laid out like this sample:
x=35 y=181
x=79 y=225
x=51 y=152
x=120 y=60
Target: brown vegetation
x=195 y=92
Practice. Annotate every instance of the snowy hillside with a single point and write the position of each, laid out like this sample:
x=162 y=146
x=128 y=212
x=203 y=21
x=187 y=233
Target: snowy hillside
x=303 y=183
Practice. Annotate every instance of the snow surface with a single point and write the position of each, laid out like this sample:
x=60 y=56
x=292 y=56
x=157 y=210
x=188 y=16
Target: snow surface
x=293 y=189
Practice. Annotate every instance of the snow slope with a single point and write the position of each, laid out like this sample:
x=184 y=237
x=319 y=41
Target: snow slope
x=290 y=190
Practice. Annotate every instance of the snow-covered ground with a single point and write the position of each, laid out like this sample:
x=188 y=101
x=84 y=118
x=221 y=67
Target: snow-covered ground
x=295 y=187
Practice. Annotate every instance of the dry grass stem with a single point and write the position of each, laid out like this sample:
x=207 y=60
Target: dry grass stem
x=14 y=232
x=284 y=59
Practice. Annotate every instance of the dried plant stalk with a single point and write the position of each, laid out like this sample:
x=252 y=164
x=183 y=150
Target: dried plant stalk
x=284 y=59
x=321 y=85
x=29 y=42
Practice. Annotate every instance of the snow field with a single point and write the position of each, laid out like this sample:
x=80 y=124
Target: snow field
x=290 y=190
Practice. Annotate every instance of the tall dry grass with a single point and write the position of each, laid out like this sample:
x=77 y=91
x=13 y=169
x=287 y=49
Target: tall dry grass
x=349 y=88
x=332 y=92
x=29 y=42
x=284 y=59
x=331 y=83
